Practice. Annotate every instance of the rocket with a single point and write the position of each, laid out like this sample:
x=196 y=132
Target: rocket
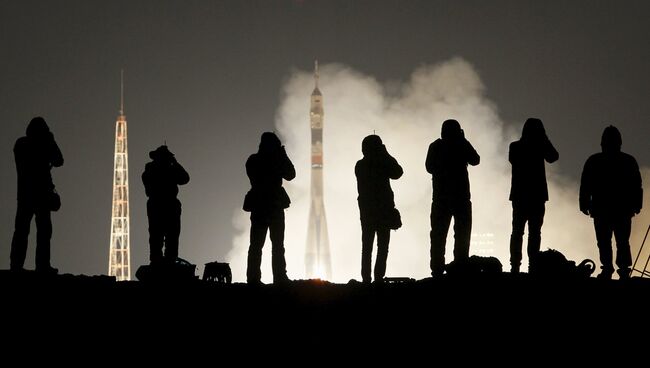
x=317 y=256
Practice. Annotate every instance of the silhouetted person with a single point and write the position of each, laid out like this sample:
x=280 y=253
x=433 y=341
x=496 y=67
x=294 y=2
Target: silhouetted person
x=35 y=154
x=529 y=191
x=376 y=203
x=611 y=193
x=266 y=201
x=161 y=179
x=447 y=161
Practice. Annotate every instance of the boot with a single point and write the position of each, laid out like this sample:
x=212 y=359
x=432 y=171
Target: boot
x=514 y=269
x=605 y=274
x=624 y=273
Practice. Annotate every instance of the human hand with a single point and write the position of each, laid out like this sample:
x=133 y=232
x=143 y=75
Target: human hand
x=585 y=210
x=169 y=157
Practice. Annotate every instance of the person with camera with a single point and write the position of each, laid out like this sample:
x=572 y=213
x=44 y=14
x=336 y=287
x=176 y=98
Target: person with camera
x=36 y=154
x=447 y=161
x=266 y=201
x=161 y=179
x=376 y=204
x=529 y=191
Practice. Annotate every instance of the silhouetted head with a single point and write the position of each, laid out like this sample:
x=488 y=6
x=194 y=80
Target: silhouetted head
x=269 y=142
x=611 y=140
x=37 y=127
x=533 y=129
x=450 y=129
x=371 y=145
x=161 y=153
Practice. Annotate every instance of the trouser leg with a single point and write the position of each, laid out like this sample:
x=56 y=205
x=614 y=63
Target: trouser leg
x=604 y=231
x=24 y=216
x=43 y=236
x=440 y=221
x=535 y=222
x=622 y=230
x=517 y=236
x=172 y=231
x=278 y=262
x=462 y=231
x=259 y=227
x=383 y=239
x=367 y=240
x=156 y=231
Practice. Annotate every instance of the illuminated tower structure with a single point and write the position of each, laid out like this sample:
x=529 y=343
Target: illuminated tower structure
x=317 y=257
x=119 y=263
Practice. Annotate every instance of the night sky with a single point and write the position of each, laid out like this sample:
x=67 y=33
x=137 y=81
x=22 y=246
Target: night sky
x=207 y=77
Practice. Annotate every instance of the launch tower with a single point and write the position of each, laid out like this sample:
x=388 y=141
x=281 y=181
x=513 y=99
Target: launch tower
x=119 y=263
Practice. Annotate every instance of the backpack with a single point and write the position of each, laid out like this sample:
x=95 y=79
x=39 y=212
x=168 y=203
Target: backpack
x=553 y=264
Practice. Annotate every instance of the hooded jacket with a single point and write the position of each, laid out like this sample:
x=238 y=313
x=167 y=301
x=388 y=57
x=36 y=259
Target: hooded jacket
x=265 y=170
x=35 y=154
x=527 y=156
x=611 y=180
x=373 y=173
x=447 y=161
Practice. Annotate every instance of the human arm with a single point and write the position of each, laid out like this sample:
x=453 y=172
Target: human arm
x=512 y=153
x=550 y=153
x=146 y=180
x=287 y=170
x=637 y=187
x=393 y=169
x=586 y=188
x=181 y=175
x=472 y=156
x=55 y=155
x=429 y=162
x=249 y=169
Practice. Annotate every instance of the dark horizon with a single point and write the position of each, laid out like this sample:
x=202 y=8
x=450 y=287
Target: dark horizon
x=208 y=78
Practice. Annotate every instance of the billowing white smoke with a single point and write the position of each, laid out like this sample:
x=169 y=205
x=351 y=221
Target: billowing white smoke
x=407 y=120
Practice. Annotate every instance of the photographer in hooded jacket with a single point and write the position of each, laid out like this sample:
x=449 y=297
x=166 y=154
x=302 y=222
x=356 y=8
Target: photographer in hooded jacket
x=35 y=154
x=266 y=201
x=447 y=161
x=376 y=204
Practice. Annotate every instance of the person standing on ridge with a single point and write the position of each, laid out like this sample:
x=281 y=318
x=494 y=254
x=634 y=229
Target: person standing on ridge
x=611 y=193
x=267 y=200
x=36 y=154
x=529 y=190
x=447 y=161
x=161 y=179
x=376 y=203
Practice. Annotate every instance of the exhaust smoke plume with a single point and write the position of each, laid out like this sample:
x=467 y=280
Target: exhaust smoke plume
x=408 y=119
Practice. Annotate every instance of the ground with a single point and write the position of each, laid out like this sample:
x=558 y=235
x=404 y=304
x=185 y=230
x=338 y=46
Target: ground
x=478 y=313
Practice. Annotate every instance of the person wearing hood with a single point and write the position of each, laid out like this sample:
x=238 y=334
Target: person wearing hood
x=447 y=161
x=36 y=154
x=529 y=190
x=267 y=200
x=611 y=193
x=376 y=203
x=161 y=179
